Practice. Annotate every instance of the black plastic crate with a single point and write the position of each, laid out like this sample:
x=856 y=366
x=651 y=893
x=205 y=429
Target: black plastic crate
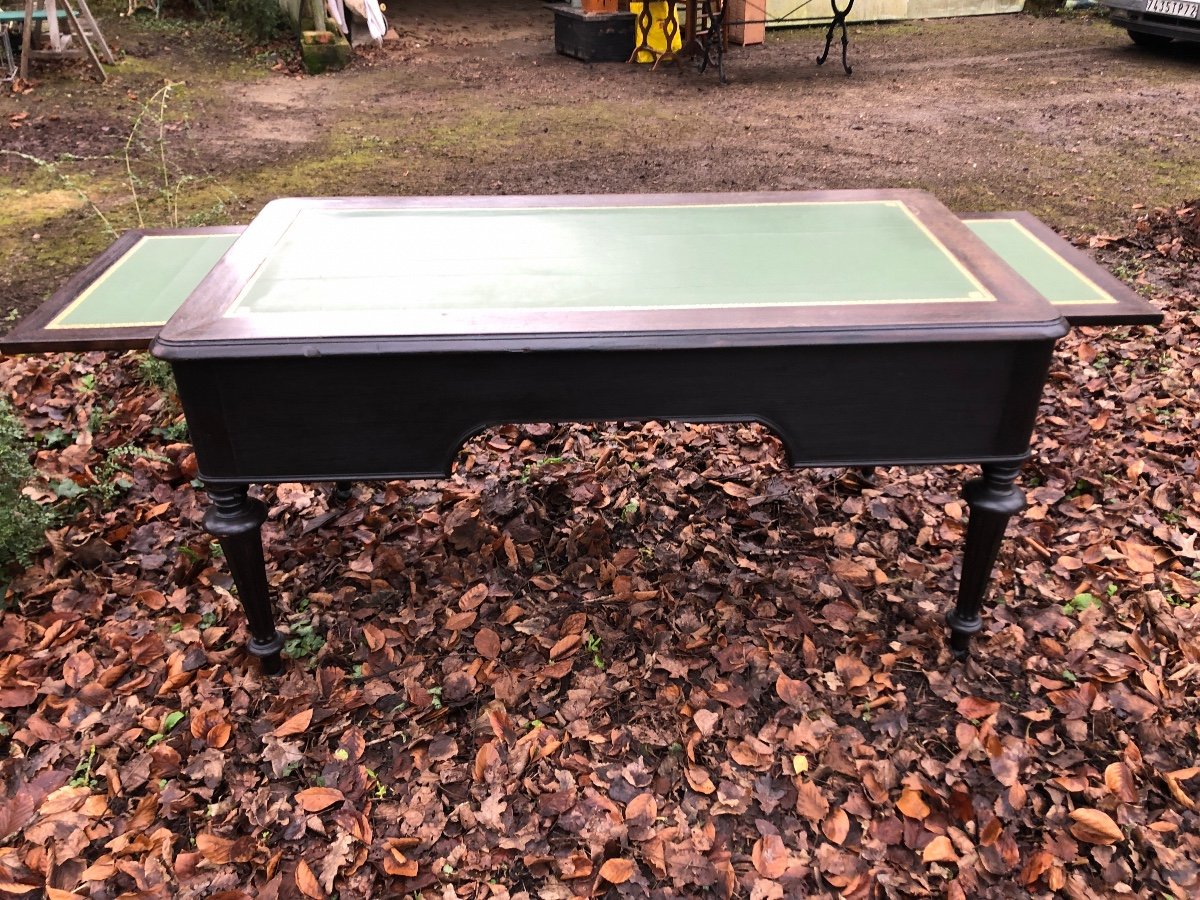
x=593 y=37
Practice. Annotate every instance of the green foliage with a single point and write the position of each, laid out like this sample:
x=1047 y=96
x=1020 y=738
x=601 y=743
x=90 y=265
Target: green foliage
x=23 y=522
x=156 y=373
x=304 y=641
x=168 y=725
x=82 y=776
x=110 y=474
x=1080 y=602
x=593 y=647
x=258 y=20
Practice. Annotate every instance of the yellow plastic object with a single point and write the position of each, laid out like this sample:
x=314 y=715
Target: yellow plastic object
x=657 y=39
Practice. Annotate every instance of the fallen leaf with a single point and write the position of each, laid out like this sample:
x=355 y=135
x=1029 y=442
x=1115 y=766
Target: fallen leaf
x=395 y=862
x=217 y=850
x=852 y=670
x=810 y=802
x=566 y=646
x=1119 y=780
x=1173 y=780
x=836 y=826
x=643 y=806
x=706 y=721
x=460 y=620
x=315 y=799
x=307 y=882
x=791 y=691
x=1095 y=827
x=740 y=491
x=770 y=856
x=1139 y=556
x=487 y=643
x=297 y=724
x=977 y=708
x=700 y=781
x=913 y=806
x=617 y=870
x=940 y=849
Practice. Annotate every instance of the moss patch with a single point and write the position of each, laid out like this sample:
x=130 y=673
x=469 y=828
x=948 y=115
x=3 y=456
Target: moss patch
x=24 y=209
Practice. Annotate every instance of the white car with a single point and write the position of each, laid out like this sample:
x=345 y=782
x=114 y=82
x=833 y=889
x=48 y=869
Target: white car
x=1153 y=23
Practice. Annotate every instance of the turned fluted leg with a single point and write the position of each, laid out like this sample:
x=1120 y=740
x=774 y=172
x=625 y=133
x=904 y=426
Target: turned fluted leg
x=993 y=499
x=236 y=521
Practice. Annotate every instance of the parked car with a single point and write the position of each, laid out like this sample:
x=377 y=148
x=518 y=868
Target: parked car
x=1153 y=23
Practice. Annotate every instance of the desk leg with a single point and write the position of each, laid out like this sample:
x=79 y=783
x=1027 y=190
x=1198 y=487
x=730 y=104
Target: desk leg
x=236 y=521
x=993 y=499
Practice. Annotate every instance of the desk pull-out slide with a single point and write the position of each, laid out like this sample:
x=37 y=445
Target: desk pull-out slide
x=122 y=298
x=1081 y=289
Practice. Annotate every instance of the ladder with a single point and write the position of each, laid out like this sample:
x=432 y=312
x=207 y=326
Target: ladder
x=81 y=27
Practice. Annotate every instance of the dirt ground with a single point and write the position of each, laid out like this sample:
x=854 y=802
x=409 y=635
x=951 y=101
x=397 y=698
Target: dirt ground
x=1060 y=115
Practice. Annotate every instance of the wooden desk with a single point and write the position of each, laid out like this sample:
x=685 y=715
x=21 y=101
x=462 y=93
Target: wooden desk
x=348 y=339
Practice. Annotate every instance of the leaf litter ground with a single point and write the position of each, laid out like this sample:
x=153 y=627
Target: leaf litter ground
x=622 y=660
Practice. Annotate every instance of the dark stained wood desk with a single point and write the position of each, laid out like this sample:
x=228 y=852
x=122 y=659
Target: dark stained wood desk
x=356 y=339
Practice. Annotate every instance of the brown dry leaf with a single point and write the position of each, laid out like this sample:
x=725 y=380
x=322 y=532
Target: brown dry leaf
x=991 y=832
x=16 y=887
x=1095 y=827
x=770 y=856
x=1139 y=556
x=395 y=862
x=376 y=639
x=852 y=670
x=700 y=780
x=643 y=806
x=77 y=668
x=315 y=799
x=487 y=643
x=104 y=868
x=486 y=757
x=1173 y=780
x=297 y=724
x=836 y=826
x=217 y=850
x=913 y=805
x=940 y=849
x=218 y=736
x=740 y=491
x=617 y=870
x=460 y=620
x=855 y=573
x=706 y=721
x=791 y=691
x=810 y=802
x=1119 y=780
x=333 y=857
x=977 y=708
x=307 y=882
x=566 y=646
x=577 y=865
x=15 y=813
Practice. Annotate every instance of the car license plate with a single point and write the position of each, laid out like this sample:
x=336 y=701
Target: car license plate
x=1184 y=9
